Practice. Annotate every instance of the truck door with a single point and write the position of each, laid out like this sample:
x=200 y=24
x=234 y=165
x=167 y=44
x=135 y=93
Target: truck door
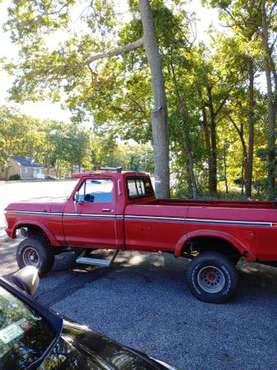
x=89 y=219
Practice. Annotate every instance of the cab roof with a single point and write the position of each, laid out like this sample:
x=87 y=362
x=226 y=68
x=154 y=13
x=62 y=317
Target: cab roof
x=116 y=174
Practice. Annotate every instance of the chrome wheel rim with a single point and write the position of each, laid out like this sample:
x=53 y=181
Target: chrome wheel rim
x=30 y=257
x=211 y=279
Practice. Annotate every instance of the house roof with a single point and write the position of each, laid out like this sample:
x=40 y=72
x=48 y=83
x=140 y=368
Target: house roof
x=26 y=161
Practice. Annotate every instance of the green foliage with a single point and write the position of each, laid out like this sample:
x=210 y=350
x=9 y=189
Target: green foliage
x=14 y=177
x=19 y=135
x=107 y=152
x=115 y=93
x=64 y=147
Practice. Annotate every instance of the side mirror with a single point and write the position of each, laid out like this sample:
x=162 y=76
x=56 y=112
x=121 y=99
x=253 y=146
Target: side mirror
x=89 y=198
x=27 y=279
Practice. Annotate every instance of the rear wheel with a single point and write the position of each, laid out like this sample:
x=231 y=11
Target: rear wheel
x=35 y=252
x=212 y=277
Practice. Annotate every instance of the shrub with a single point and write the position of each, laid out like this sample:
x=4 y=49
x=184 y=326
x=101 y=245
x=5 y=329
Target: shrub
x=14 y=177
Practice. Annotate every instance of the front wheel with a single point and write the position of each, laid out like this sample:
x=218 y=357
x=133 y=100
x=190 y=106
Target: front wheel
x=35 y=252
x=212 y=277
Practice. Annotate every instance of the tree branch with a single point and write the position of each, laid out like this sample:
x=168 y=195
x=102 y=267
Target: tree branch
x=116 y=51
x=240 y=133
x=221 y=105
x=272 y=10
x=141 y=109
x=54 y=12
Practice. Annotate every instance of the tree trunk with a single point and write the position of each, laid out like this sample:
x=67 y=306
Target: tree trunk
x=57 y=169
x=249 y=163
x=225 y=168
x=213 y=162
x=271 y=103
x=159 y=113
x=213 y=156
x=187 y=147
x=242 y=178
x=189 y=164
x=190 y=171
x=207 y=142
x=240 y=131
x=186 y=141
x=192 y=188
x=7 y=172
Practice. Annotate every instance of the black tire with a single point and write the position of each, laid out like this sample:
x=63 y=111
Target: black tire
x=36 y=252
x=212 y=277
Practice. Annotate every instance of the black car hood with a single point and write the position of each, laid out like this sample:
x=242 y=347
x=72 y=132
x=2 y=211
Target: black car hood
x=104 y=351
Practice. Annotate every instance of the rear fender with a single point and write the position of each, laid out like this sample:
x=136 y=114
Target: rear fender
x=47 y=232
x=182 y=243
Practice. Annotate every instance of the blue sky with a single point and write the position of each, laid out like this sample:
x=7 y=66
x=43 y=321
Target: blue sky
x=206 y=17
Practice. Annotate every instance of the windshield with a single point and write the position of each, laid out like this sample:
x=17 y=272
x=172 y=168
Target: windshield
x=24 y=334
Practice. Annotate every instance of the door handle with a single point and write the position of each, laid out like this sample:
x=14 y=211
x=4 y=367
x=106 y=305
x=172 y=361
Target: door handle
x=106 y=210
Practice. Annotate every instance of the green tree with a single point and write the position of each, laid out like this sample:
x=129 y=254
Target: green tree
x=68 y=146
x=64 y=69
x=256 y=22
x=19 y=135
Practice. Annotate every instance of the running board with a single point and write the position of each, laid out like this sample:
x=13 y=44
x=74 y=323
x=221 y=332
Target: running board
x=97 y=261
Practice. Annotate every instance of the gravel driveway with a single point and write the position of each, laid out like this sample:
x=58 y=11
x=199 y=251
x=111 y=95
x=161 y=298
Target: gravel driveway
x=143 y=301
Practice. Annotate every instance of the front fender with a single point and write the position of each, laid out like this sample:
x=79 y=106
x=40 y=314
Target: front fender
x=47 y=232
x=242 y=249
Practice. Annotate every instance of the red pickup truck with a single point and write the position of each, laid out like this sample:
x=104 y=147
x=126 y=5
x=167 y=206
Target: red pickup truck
x=119 y=210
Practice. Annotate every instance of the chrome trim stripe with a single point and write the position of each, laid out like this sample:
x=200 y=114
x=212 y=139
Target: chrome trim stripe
x=156 y=218
x=259 y=223
x=89 y=215
x=43 y=213
x=201 y=220
x=152 y=218
x=92 y=215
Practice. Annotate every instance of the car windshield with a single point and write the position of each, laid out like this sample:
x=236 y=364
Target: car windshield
x=24 y=334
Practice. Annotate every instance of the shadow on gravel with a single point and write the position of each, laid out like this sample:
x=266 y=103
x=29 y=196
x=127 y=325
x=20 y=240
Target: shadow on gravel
x=257 y=280
x=68 y=277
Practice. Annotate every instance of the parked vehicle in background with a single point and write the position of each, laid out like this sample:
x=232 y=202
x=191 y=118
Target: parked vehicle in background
x=33 y=337
x=119 y=210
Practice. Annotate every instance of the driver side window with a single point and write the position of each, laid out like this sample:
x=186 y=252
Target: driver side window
x=96 y=191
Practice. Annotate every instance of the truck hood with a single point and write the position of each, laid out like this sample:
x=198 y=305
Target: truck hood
x=39 y=205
